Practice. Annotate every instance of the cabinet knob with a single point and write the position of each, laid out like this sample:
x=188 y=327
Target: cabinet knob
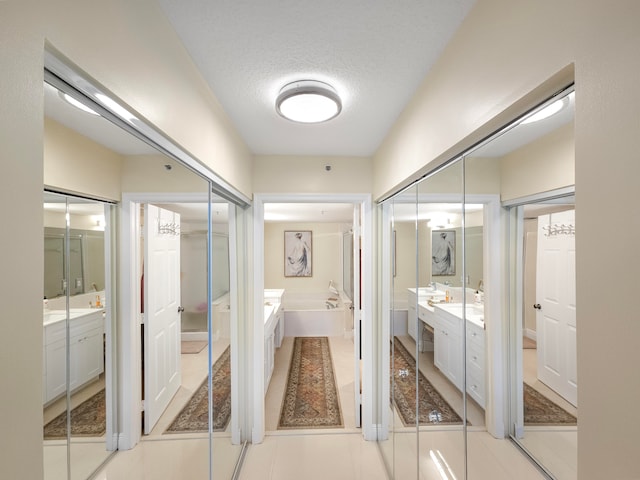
x=537 y=306
x=180 y=309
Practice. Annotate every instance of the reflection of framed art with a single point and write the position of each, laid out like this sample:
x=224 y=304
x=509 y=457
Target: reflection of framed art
x=443 y=252
x=297 y=253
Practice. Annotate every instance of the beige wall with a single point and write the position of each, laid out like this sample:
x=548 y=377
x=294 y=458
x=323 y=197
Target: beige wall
x=290 y=174
x=497 y=66
x=130 y=49
x=326 y=259
x=74 y=163
x=147 y=173
x=543 y=165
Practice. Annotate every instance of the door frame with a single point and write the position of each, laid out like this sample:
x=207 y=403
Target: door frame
x=515 y=300
x=129 y=317
x=367 y=311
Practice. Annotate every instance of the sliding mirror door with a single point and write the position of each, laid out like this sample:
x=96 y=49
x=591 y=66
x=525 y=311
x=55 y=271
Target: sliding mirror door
x=405 y=410
x=78 y=395
x=439 y=336
x=178 y=333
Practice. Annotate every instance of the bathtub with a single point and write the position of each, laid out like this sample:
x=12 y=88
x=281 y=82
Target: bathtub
x=307 y=315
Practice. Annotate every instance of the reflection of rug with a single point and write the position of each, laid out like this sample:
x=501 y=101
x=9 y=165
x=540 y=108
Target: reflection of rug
x=311 y=397
x=433 y=409
x=539 y=410
x=192 y=346
x=194 y=417
x=87 y=420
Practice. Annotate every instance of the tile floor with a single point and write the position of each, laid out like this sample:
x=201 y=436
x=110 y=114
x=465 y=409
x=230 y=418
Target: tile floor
x=333 y=453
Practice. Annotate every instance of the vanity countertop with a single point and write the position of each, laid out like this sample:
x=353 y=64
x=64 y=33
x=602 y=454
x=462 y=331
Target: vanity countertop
x=49 y=317
x=474 y=312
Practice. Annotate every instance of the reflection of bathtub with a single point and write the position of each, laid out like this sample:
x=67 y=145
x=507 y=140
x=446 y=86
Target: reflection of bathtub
x=308 y=315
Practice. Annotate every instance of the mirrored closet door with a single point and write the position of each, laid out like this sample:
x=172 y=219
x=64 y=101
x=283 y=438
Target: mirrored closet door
x=177 y=314
x=78 y=394
x=448 y=277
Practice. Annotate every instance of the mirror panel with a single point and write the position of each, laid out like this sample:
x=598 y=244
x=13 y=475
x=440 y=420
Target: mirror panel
x=54 y=349
x=439 y=333
x=403 y=348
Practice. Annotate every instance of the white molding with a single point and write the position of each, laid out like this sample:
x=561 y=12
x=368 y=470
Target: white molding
x=531 y=334
x=129 y=306
x=364 y=200
x=496 y=287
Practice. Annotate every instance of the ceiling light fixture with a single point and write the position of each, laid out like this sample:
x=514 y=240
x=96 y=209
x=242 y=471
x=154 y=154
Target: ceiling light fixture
x=76 y=103
x=547 y=111
x=308 y=101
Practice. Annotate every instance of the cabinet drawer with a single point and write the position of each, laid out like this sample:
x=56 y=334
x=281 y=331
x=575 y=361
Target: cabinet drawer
x=475 y=385
x=475 y=356
x=55 y=332
x=475 y=335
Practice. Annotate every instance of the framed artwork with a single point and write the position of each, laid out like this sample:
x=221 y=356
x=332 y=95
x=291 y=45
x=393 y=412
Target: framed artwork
x=298 y=253
x=443 y=252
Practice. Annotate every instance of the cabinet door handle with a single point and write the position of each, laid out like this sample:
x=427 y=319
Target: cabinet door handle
x=180 y=309
x=537 y=306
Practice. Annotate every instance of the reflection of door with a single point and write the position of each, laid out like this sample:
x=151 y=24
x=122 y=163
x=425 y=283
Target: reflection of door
x=556 y=307
x=162 y=311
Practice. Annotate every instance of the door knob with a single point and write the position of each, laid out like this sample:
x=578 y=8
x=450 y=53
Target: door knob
x=180 y=309
x=537 y=306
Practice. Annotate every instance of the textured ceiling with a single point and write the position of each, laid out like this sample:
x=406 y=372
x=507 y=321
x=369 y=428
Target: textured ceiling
x=375 y=53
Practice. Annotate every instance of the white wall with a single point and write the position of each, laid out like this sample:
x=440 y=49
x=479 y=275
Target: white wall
x=326 y=257
x=497 y=66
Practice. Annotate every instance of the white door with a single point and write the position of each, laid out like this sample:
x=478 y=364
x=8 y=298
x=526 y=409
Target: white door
x=161 y=311
x=357 y=330
x=556 y=306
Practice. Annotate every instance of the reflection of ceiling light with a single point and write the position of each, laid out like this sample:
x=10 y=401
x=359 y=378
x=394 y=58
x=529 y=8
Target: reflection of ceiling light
x=308 y=101
x=76 y=103
x=115 y=107
x=547 y=111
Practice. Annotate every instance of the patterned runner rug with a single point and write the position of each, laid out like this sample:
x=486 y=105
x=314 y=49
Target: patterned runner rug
x=194 y=417
x=311 y=396
x=87 y=420
x=433 y=409
x=539 y=410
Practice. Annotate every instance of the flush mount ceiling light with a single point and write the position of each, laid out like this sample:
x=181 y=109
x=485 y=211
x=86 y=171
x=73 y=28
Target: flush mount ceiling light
x=308 y=101
x=76 y=103
x=548 y=111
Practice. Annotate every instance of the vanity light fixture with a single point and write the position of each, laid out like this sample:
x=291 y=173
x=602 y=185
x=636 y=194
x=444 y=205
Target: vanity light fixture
x=76 y=103
x=308 y=101
x=439 y=221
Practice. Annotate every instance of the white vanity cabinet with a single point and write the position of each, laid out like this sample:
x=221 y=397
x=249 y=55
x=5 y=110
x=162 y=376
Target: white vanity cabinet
x=475 y=363
x=448 y=336
x=86 y=352
x=447 y=355
x=273 y=330
x=417 y=309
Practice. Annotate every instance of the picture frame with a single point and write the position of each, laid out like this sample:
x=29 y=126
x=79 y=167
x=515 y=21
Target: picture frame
x=443 y=252
x=298 y=253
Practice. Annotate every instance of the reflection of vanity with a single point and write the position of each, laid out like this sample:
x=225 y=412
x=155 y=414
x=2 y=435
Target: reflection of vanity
x=448 y=333
x=86 y=330
x=273 y=330
x=419 y=309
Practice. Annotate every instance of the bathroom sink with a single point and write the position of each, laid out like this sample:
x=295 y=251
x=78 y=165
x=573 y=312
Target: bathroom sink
x=473 y=312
